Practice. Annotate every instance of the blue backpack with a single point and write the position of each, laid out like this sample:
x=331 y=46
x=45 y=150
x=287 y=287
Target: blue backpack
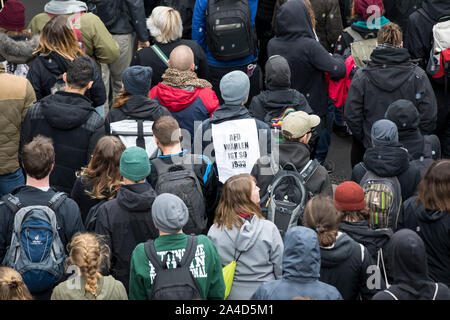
x=36 y=250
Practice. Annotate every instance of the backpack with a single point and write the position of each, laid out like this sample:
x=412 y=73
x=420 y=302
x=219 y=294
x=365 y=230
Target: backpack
x=186 y=10
x=107 y=10
x=135 y=133
x=383 y=196
x=230 y=34
x=176 y=283
x=36 y=250
x=439 y=63
x=92 y=215
x=361 y=48
x=276 y=123
x=228 y=274
x=286 y=197
x=179 y=178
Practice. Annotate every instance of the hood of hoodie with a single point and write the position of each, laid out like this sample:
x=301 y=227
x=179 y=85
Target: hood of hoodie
x=65 y=7
x=395 y=69
x=278 y=73
x=339 y=252
x=19 y=51
x=136 y=197
x=229 y=112
x=387 y=161
x=245 y=237
x=275 y=102
x=297 y=153
x=140 y=107
x=429 y=216
x=436 y=8
x=293 y=21
x=301 y=256
x=175 y=99
x=54 y=63
x=65 y=110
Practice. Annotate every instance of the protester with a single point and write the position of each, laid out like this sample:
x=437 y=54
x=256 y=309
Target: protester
x=166 y=29
x=427 y=213
x=12 y=286
x=301 y=271
x=57 y=48
x=170 y=215
x=328 y=22
x=398 y=11
x=70 y=120
x=126 y=220
x=408 y=258
x=344 y=262
x=16 y=43
x=87 y=254
x=188 y=98
x=101 y=179
x=16 y=97
x=132 y=102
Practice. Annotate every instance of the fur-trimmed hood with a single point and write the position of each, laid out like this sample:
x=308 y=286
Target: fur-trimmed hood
x=17 y=51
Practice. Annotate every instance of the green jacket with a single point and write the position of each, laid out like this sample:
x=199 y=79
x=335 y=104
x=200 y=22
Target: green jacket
x=206 y=267
x=16 y=97
x=98 y=42
x=74 y=289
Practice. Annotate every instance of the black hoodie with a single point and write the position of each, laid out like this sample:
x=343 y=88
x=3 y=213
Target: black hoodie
x=127 y=221
x=71 y=121
x=308 y=59
x=389 y=161
x=434 y=229
x=408 y=262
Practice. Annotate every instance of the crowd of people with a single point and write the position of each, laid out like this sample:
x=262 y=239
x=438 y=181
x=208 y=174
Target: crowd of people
x=180 y=152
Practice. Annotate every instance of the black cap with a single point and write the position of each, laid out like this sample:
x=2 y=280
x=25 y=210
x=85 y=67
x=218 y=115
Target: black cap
x=404 y=114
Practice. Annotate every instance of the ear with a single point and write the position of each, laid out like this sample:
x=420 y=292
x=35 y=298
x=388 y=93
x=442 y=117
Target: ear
x=52 y=167
x=89 y=85
x=65 y=77
x=168 y=62
x=193 y=67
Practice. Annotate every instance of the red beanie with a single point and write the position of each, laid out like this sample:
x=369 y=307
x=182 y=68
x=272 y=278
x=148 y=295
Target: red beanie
x=362 y=5
x=349 y=196
x=12 y=16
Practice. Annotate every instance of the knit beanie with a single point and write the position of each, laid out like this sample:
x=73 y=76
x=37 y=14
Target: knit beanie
x=349 y=196
x=384 y=133
x=234 y=87
x=65 y=6
x=137 y=80
x=361 y=7
x=404 y=114
x=169 y=213
x=134 y=164
x=12 y=16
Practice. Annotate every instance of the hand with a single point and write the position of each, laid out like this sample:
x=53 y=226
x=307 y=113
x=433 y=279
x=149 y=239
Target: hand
x=143 y=44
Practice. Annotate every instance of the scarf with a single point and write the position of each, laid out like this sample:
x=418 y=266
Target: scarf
x=183 y=79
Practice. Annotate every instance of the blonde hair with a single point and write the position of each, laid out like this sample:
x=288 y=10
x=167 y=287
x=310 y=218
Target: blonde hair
x=88 y=252
x=12 y=286
x=165 y=24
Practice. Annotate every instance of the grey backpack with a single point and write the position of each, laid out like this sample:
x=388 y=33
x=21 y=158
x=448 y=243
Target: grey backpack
x=36 y=250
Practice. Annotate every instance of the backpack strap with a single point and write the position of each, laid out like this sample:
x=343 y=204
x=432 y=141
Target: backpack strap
x=354 y=34
x=12 y=202
x=150 y=251
x=309 y=170
x=393 y=295
x=426 y=15
x=436 y=291
x=189 y=253
x=362 y=252
x=140 y=141
x=380 y=258
x=57 y=199
x=160 y=54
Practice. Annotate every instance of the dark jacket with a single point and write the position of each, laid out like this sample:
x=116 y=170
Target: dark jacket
x=298 y=154
x=308 y=59
x=417 y=144
x=345 y=266
x=398 y=12
x=127 y=221
x=147 y=57
x=408 y=261
x=328 y=22
x=434 y=229
x=131 y=19
x=389 y=161
x=45 y=69
x=67 y=215
x=389 y=76
x=136 y=108
x=301 y=266
x=71 y=121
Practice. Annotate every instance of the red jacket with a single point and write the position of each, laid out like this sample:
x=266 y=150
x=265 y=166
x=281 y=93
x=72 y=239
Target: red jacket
x=338 y=90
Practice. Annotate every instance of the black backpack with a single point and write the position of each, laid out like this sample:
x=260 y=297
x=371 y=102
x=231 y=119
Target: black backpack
x=186 y=10
x=179 y=178
x=107 y=10
x=92 y=215
x=230 y=34
x=177 y=283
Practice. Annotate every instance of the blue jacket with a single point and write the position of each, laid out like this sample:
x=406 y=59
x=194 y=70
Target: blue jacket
x=301 y=267
x=199 y=35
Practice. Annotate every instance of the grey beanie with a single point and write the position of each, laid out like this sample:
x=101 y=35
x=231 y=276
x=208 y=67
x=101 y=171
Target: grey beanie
x=65 y=7
x=137 y=80
x=234 y=87
x=169 y=213
x=384 y=133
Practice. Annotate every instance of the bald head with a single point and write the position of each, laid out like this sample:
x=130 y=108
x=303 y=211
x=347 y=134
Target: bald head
x=182 y=58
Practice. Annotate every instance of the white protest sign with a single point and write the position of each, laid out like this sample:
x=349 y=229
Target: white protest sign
x=236 y=146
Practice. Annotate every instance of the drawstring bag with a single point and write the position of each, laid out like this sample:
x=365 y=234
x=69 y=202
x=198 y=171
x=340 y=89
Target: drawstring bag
x=228 y=274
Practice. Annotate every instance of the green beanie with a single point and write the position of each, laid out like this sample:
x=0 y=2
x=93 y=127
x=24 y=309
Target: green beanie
x=134 y=164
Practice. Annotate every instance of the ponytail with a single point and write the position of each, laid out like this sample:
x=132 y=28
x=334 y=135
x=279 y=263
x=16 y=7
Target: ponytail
x=12 y=286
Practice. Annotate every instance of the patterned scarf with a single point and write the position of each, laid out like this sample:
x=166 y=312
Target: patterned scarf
x=183 y=79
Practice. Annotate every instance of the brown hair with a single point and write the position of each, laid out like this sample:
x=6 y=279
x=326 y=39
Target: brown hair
x=38 y=156
x=390 y=33
x=12 y=286
x=358 y=215
x=236 y=196
x=166 y=129
x=311 y=13
x=14 y=33
x=322 y=216
x=88 y=252
x=103 y=171
x=57 y=36
x=434 y=189
x=121 y=99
